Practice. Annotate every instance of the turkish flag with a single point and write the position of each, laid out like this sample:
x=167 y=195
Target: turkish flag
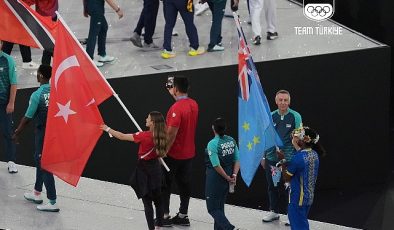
x=21 y=24
x=73 y=120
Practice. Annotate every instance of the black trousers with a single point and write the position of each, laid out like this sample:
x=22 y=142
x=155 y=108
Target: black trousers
x=181 y=171
x=148 y=208
x=25 y=50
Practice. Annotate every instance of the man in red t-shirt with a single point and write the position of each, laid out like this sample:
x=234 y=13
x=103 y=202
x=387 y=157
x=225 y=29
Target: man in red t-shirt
x=181 y=123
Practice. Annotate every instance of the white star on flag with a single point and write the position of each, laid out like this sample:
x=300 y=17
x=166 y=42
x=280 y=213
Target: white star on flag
x=64 y=111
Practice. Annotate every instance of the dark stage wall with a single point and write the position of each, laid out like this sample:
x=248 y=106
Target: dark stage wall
x=344 y=96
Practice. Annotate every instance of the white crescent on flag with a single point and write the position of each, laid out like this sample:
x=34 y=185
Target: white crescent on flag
x=66 y=63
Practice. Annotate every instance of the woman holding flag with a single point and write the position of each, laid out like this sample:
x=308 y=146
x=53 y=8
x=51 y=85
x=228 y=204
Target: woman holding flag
x=147 y=177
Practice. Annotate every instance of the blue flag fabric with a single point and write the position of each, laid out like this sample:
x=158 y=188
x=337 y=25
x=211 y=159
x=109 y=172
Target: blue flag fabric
x=256 y=131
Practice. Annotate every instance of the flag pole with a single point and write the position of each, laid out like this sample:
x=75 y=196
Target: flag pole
x=60 y=18
x=238 y=24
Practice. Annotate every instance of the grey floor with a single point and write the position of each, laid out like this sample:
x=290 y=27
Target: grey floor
x=100 y=205
x=131 y=61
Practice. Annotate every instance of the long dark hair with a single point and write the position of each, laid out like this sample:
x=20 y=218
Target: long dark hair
x=160 y=139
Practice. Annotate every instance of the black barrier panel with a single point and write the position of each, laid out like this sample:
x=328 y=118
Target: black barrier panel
x=344 y=96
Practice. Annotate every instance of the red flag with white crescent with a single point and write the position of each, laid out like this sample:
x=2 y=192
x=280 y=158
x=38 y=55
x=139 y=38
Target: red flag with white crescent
x=73 y=121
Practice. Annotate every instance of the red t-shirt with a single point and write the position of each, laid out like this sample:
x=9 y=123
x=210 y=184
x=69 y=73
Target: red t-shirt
x=47 y=7
x=145 y=139
x=183 y=114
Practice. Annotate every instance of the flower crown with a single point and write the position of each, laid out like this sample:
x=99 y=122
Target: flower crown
x=300 y=133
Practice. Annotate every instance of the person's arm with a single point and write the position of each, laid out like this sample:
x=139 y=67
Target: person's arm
x=117 y=134
x=11 y=102
x=22 y=125
x=214 y=159
x=236 y=161
x=171 y=133
x=221 y=172
x=115 y=7
x=85 y=8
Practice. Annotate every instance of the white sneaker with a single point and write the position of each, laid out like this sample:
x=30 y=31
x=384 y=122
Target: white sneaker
x=12 y=167
x=285 y=220
x=271 y=216
x=200 y=8
x=30 y=196
x=106 y=58
x=216 y=48
x=48 y=207
x=30 y=65
x=97 y=63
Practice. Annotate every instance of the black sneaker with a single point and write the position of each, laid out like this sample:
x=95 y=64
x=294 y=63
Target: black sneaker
x=272 y=36
x=176 y=220
x=257 y=40
x=165 y=222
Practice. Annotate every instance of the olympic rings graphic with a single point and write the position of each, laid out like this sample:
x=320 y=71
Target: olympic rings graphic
x=318 y=10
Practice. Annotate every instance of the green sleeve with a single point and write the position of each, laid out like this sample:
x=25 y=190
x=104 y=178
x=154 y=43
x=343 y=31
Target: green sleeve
x=298 y=119
x=213 y=153
x=236 y=152
x=33 y=105
x=12 y=73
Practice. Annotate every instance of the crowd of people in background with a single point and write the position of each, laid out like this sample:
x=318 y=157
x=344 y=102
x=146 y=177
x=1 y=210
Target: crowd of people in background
x=172 y=139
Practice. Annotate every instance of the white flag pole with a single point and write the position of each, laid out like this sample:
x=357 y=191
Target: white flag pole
x=60 y=18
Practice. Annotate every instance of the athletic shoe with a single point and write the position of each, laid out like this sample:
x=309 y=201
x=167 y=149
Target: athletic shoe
x=200 y=8
x=216 y=48
x=272 y=36
x=48 y=207
x=271 y=216
x=176 y=220
x=30 y=65
x=12 y=167
x=136 y=39
x=106 y=58
x=166 y=222
x=167 y=54
x=150 y=47
x=199 y=51
x=285 y=220
x=257 y=40
x=30 y=196
x=97 y=63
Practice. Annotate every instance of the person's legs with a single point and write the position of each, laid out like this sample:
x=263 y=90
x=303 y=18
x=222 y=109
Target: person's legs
x=7 y=47
x=256 y=6
x=216 y=28
x=270 y=15
x=6 y=126
x=94 y=30
x=183 y=179
x=151 y=8
x=170 y=14
x=215 y=206
x=26 y=53
x=188 y=19
x=148 y=209
x=102 y=37
x=298 y=217
x=46 y=57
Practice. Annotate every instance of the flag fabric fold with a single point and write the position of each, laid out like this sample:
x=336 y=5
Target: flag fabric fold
x=256 y=131
x=72 y=128
x=21 y=24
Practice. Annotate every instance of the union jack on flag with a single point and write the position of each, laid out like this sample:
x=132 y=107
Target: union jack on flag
x=243 y=70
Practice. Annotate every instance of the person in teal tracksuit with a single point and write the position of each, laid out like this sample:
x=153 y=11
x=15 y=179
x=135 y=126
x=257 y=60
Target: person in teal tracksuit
x=37 y=110
x=8 y=88
x=222 y=166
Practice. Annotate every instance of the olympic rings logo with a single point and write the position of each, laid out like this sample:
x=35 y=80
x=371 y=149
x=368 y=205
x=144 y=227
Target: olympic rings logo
x=318 y=12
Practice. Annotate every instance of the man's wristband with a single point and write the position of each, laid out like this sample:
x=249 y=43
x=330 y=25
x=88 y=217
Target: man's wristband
x=117 y=9
x=107 y=129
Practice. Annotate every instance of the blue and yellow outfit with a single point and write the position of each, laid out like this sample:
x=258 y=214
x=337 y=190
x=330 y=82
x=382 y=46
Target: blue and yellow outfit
x=284 y=125
x=7 y=78
x=303 y=170
x=37 y=110
x=221 y=151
